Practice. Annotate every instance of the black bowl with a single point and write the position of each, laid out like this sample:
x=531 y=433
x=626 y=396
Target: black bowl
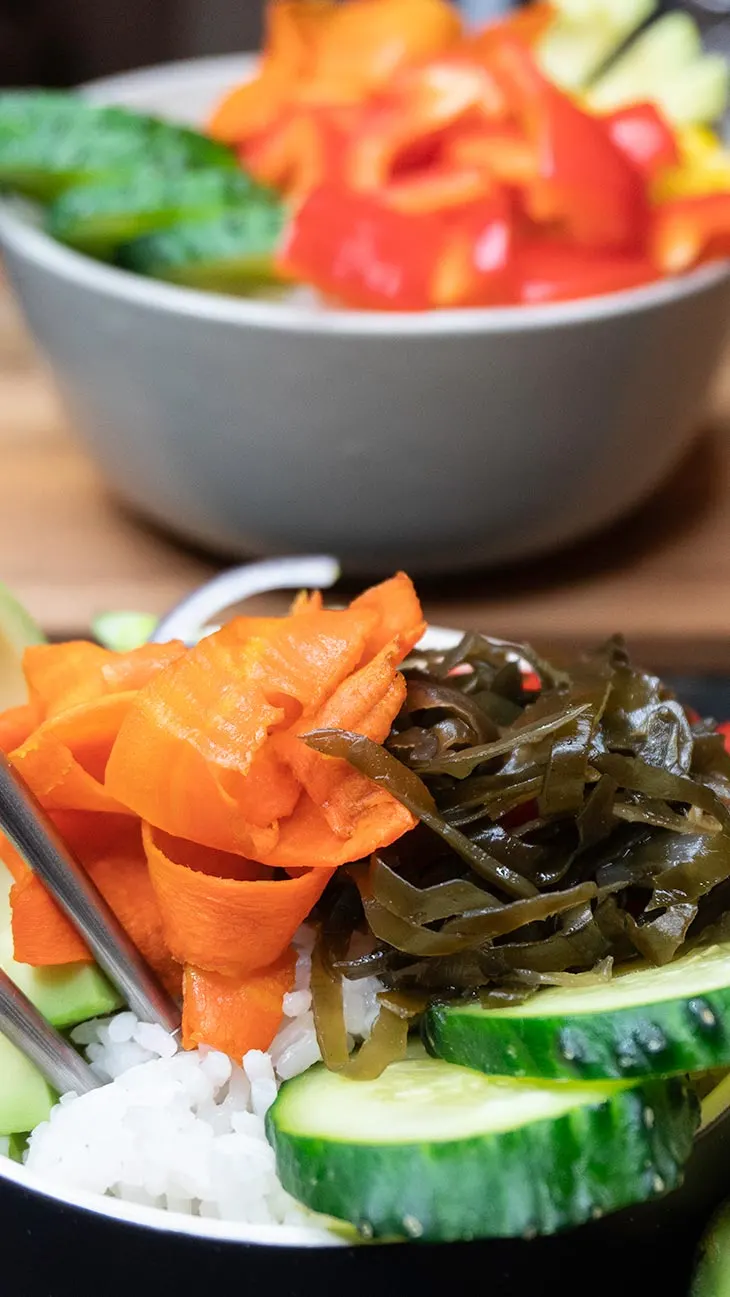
x=55 y=1245
x=60 y=1245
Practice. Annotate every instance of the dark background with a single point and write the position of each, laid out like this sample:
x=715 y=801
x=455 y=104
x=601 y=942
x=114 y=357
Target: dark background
x=62 y=42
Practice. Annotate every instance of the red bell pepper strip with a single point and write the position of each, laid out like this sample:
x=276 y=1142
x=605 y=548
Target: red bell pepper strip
x=404 y=130
x=585 y=186
x=499 y=150
x=645 y=137
x=437 y=189
x=689 y=230
x=556 y=272
x=473 y=266
x=361 y=253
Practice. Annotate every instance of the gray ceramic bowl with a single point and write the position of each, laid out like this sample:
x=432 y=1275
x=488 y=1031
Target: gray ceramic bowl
x=439 y=441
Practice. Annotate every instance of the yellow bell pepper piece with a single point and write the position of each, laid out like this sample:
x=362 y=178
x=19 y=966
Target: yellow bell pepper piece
x=704 y=169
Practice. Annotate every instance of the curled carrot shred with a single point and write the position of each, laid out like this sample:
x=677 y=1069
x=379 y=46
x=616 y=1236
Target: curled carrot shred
x=64 y=759
x=180 y=780
x=224 y=913
x=110 y=849
x=16 y=725
x=367 y=703
x=399 y=614
x=236 y=1014
x=212 y=722
x=62 y=676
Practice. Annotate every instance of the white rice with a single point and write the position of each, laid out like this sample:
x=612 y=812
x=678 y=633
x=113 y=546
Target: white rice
x=184 y=1131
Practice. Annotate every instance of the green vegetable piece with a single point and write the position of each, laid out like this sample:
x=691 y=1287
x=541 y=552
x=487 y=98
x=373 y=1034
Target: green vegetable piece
x=377 y=764
x=123 y=631
x=328 y=1009
x=25 y=1097
x=65 y=996
x=98 y=219
x=46 y=148
x=438 y=1153
x=699 y=93
x=648 y=1022
x=17 y=631
x=712 y=1275
x=666 y=64
x=13 y=1146
x=583 y=38
x=17 y=1145
x=232 y=253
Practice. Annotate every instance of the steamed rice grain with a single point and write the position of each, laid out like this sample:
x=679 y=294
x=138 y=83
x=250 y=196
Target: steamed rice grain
x=185 y=1131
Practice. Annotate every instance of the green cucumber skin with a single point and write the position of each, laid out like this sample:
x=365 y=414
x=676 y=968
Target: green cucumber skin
x=46 y=150
x=712 y=1275
x=234 y=252
x=669 y=1038
x=98 y=219
x=538 y=1179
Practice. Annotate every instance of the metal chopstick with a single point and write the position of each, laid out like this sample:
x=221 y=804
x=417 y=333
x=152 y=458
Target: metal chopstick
x=36 y=839
x=24 y=1026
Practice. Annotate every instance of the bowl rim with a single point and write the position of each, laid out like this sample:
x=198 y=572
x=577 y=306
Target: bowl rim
x=28 y=241
x=165 y=1222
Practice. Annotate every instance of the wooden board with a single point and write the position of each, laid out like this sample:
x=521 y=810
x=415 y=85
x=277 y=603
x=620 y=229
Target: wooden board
x=663 y=577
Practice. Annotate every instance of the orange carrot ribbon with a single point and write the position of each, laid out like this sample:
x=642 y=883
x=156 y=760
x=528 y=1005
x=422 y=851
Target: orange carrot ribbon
x=179 y=778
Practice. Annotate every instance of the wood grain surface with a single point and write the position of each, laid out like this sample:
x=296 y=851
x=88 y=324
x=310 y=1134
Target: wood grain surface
x=662 y=576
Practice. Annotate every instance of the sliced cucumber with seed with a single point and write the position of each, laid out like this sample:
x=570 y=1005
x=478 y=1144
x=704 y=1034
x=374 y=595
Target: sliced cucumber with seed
x=233 y=253
x=648 y=1022
x=439 y=1152
x=97 y=219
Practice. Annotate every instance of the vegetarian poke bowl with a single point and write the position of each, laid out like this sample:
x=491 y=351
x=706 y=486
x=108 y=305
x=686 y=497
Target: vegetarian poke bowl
x=449 y=929
x=260 y=282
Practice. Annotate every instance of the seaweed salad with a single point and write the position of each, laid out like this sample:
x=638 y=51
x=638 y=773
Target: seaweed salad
x=570 y=820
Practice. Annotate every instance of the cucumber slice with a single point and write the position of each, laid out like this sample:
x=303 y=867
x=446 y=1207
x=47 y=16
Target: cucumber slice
x=46 y=150
x=441 y=1153
x=583 y=38
x=712 y=1276
x=234 y=253
x=17 y=632
x=65 y=995
x=13 y=1146
x=699 y=93
x=123 y=631
x=97 y=219
x=23 y=111
x=650 y=1022
x=26 y=1098
x=17 y=1146
x=667 y=53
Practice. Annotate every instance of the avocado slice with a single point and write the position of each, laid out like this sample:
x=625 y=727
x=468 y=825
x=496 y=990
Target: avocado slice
x=17 y=631
x=712 y=1276
x=65 y=995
